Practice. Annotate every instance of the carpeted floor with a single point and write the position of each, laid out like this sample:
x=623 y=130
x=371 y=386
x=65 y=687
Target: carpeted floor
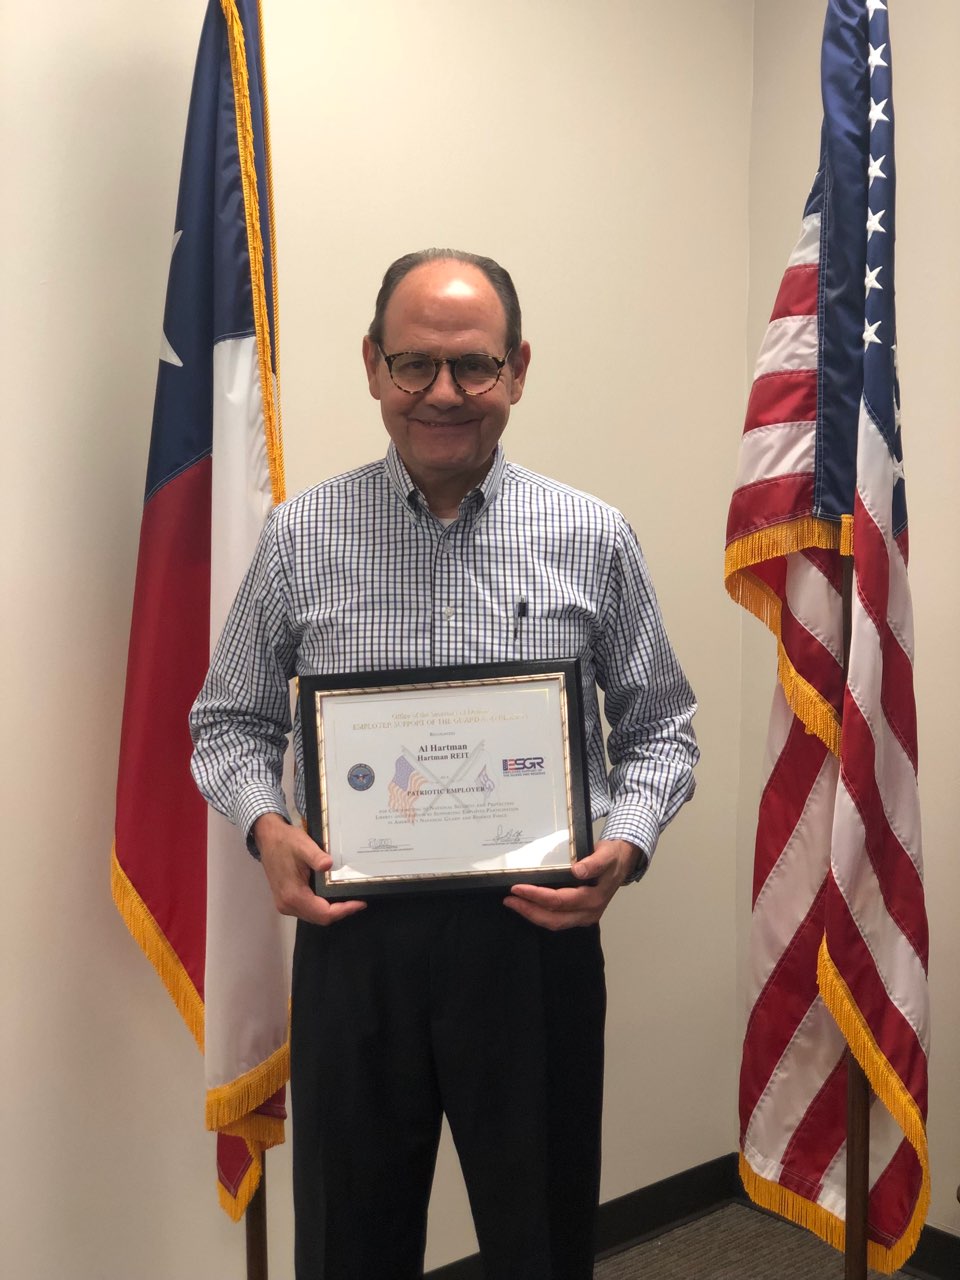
x=735 y=1243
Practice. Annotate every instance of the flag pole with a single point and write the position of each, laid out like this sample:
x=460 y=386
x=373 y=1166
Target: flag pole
x=255 y=1219
x=858 y=1087
x=858 y=1170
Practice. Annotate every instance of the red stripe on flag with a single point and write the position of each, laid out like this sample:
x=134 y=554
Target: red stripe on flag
x=896 y=696
x=894 y=1195
x=872 y=564
x=894 y=1035
x=873 y=590
x=897 y=877
x=161 y=828
x=782 y=397
x=784 y=798
x=769 y=502
x=773 y=573
x=819 y=1135
x=798 y=292
x=812 y=659
x=233 y=1154
x=779 y=1009
x=233 y=1161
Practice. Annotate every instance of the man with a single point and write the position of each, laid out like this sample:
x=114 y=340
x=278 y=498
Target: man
x=485 y=1007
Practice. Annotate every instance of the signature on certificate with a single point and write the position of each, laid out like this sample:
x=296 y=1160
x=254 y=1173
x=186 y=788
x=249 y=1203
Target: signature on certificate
x=508 y=835
x=380 y=842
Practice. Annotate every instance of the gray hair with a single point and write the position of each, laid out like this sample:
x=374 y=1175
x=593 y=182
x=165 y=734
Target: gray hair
x=499 y=278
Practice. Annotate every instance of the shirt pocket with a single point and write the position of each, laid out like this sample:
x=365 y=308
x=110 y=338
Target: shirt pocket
x=545 y=631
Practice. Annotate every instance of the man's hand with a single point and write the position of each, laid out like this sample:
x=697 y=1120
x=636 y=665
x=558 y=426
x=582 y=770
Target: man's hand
x=288 y=856
x=609 y=864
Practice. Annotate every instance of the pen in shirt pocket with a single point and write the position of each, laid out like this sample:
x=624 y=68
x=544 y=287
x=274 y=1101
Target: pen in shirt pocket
x=519 y=613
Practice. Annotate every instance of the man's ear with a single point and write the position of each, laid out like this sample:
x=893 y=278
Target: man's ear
x=371 y=362
x=519 y=363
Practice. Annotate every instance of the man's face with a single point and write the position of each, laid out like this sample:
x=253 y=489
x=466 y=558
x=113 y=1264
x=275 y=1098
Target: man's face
x=445 y=438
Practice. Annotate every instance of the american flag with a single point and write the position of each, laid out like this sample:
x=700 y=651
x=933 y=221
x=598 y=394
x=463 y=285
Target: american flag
x=190 y=894
x=403 y=789
x=838 y=952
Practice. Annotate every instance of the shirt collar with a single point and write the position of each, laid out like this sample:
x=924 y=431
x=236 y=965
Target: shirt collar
x=410 y=495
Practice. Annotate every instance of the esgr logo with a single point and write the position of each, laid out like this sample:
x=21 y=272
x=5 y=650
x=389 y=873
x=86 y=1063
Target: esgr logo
x=523 y=766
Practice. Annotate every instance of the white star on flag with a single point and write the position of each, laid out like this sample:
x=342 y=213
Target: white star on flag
x=166 y=351
x=876 y=112
x=873 y=222
x=873 y=6
x=871 y=281
x=870 y=335
x=897 y=469
x=875 y=57
x=874 y=170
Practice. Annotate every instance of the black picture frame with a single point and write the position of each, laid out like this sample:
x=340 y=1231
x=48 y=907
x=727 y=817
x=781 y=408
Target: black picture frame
x=569 y=675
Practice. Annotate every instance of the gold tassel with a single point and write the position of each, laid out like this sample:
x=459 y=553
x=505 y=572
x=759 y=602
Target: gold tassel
x=846 y=535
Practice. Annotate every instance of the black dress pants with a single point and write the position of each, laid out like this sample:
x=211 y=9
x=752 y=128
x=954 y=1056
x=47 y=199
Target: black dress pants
x=450 y=1004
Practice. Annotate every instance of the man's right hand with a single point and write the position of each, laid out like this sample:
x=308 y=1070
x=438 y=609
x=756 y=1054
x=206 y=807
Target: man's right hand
x=288 y=855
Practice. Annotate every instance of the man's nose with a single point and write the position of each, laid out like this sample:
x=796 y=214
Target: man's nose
x=444 y=390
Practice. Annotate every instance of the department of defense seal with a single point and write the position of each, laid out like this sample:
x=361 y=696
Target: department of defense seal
x=360 y=777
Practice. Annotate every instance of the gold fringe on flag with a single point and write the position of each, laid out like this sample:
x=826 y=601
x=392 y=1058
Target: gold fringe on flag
x=788 y=1204
x=251 y=201
x=229 y=1104
x=156 y=947
x=754 y=595
x=272 y=222
x=236 y=1206
x=891 y=1091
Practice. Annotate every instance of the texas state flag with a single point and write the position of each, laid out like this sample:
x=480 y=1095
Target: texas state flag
x=190 y=894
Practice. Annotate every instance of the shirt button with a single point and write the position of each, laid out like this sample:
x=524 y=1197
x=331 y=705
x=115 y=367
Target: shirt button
x=448 y=611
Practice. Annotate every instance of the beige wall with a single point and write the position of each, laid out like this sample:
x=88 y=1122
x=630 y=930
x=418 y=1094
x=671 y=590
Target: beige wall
x=610 y=170
x=783 y=161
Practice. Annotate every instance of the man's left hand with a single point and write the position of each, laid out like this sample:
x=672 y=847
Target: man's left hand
x=609 y=864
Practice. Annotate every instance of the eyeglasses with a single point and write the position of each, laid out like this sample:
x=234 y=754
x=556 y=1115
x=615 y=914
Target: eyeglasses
x=412 y=371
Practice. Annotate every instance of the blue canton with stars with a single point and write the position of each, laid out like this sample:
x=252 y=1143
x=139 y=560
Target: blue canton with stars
x=881 y=388
x=855 y=194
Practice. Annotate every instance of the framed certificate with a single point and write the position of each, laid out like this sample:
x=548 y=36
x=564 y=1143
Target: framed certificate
x=446 y=777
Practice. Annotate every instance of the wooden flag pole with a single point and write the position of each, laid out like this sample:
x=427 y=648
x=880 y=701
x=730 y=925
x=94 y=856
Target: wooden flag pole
x=256 y=1224
x=858 y=1170
x=858 y=1087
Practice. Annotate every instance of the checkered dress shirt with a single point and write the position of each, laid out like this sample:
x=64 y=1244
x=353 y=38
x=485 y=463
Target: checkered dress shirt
x=357 y=574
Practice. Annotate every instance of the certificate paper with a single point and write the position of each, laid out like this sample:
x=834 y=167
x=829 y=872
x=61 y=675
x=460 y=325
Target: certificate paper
x=447 y=778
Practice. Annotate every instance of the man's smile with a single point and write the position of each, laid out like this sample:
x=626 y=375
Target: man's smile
x=433 y=422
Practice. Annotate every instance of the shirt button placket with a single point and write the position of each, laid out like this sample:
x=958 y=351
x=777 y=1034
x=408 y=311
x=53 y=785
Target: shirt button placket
x=447 y=603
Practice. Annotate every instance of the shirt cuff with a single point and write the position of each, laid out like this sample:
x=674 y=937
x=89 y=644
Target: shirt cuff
x=252 y=803
x=635 y=823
